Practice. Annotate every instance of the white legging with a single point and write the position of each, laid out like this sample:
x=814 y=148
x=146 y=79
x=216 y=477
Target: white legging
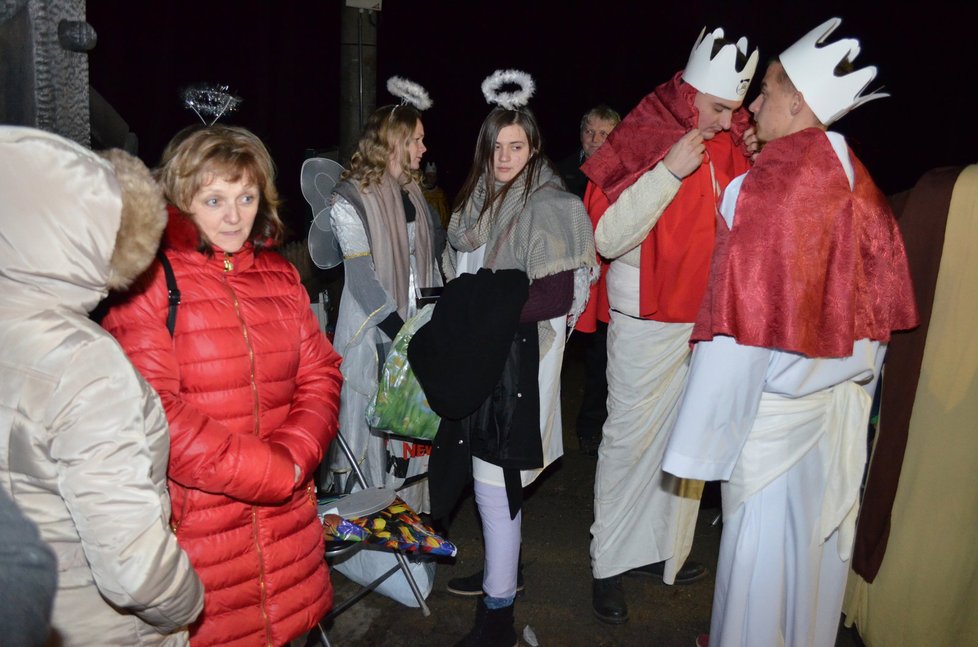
x=502 y=539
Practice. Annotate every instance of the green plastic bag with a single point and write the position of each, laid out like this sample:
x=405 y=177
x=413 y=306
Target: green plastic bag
x=400 y=405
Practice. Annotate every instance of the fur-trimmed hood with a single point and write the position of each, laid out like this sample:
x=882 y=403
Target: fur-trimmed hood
x=72 y=224
x=142 y=222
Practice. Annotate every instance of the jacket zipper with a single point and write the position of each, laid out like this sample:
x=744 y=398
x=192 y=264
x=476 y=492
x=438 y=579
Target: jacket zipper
x=228 y=267
x=175 y=525
x=261 y=577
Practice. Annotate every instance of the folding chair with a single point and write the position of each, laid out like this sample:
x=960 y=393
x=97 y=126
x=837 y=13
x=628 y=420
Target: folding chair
x=346 y=547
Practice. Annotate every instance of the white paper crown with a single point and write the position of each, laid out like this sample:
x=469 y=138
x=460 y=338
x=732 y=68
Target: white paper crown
x=810 y=64
x=718 y=75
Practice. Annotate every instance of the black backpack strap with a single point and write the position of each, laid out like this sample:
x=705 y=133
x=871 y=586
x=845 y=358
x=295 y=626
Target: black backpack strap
x=172 y=292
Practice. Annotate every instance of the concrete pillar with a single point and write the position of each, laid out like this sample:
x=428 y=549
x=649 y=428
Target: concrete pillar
x=358 y=75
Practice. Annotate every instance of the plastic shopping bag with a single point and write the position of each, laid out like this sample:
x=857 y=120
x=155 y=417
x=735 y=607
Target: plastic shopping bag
x=400 y=405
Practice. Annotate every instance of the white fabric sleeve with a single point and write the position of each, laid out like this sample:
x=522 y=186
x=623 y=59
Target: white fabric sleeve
x=717 y=409
x=795 y=376
x=358 y=264
x=348 y=229
x=629 y=220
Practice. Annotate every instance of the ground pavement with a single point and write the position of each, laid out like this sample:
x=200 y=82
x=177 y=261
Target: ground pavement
x=556 y=604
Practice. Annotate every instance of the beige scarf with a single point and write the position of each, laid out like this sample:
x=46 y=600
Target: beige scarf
x=387 y=233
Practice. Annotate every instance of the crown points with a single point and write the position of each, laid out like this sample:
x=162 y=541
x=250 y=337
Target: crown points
x=811 y=63
x=718 y=75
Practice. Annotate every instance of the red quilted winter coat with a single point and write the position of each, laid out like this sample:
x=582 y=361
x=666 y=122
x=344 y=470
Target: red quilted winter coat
x=251 y=388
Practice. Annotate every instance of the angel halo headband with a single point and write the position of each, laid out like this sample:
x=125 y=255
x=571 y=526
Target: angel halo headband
x=409 y=92
x=208 y=100
x=493 y=84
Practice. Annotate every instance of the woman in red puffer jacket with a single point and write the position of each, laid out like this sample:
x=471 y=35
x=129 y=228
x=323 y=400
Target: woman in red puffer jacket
x=251 y=391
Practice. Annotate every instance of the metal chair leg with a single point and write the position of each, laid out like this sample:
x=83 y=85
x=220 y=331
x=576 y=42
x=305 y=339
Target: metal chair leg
x=322 y=635
x=406 y=569
x=345 y=448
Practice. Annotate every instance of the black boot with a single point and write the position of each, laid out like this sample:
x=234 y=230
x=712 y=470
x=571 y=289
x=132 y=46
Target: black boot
x=608 y=600
x=493 y=628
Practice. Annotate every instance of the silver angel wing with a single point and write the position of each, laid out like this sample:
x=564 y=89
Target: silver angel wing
x=318 y=178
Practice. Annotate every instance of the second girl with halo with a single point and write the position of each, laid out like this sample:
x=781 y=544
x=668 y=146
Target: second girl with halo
x=514 y=214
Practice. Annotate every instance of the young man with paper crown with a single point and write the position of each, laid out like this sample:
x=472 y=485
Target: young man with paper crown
x=808 y=280
x=661 y=171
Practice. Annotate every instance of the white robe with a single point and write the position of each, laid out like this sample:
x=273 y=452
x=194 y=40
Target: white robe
x=357 y=340
x=641 y=515
x=787 y=434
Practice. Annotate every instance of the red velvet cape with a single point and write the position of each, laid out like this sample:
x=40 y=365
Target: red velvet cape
x=647 y=133
x=675 y=258
x=809 y=266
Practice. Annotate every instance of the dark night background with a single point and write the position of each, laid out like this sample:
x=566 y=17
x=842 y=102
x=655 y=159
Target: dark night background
x=282 y=58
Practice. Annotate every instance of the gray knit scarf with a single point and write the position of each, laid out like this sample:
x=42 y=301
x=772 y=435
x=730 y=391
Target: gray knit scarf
x=547 y=234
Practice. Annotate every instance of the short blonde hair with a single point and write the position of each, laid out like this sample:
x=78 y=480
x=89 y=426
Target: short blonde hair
x=386 y=128
x=197 y=154
x=602 y=112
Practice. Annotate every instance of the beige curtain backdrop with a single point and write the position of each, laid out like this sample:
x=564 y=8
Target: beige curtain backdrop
x=926 y=592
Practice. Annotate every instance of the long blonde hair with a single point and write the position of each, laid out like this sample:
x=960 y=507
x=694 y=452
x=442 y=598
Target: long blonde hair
x=386 y=128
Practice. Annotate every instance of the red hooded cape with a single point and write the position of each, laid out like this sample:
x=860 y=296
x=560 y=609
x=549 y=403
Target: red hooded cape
x=675 y=257
x=810 y=266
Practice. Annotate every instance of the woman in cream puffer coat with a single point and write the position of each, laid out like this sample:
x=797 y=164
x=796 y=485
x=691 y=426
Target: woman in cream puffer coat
x=251 y=390
x=83 y=439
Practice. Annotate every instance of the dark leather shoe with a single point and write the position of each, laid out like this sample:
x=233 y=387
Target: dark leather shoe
x=689 y=573
x=608 y=600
